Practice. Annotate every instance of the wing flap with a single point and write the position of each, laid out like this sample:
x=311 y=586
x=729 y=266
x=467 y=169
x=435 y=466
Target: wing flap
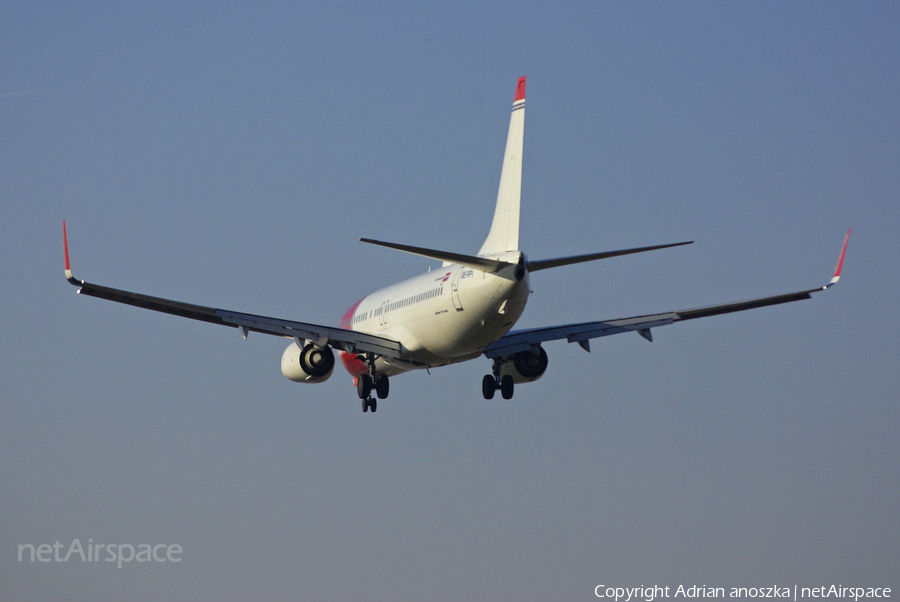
x=523 y=340
x=347 y=340
x=578 y=333
x=340 y=338
x=178 y=308
x=715 y=310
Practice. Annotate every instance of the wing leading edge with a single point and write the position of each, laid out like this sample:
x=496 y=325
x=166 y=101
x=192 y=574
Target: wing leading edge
x=582 y=333
x=340 y=338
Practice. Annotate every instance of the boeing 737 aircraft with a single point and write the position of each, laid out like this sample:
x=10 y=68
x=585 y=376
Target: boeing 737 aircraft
x=461 y=311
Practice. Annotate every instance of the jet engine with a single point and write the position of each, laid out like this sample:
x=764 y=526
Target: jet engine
x=525 y=366
x=310 y=364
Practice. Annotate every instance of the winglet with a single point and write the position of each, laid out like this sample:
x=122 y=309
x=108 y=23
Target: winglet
x=840 y=262
x=69 y=276
x=66 y=251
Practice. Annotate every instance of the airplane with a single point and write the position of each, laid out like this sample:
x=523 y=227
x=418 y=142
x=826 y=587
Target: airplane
x=458 y=312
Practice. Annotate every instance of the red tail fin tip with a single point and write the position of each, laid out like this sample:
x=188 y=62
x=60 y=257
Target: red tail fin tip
x=520 y=90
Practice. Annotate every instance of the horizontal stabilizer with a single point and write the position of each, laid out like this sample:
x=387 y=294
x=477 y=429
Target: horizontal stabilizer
x=543 y=264
x=482 y=264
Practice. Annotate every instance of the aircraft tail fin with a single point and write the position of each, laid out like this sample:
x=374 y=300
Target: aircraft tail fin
x=504 y=232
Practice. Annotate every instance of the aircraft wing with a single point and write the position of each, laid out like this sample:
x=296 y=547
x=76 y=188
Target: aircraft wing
x=582 y=333
x=339 y=338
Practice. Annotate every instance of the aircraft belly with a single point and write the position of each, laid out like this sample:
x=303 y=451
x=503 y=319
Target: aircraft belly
x=465 y=332
x=455 y=326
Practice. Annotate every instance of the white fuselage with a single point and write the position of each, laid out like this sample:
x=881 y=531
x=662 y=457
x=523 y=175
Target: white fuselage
x=444 y=316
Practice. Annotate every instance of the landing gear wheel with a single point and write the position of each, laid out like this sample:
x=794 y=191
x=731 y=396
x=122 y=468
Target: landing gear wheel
x=373 y=404
x=506 y=386
x=363 y=386
x=488 y=386
x=365 y=405
x=382 y=386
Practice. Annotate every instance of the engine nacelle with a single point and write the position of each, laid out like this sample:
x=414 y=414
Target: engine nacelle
x=525 y=366
x=310 y=364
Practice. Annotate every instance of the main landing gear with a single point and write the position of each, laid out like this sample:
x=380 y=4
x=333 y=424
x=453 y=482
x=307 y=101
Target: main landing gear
x=491 y=383
x=366 y=383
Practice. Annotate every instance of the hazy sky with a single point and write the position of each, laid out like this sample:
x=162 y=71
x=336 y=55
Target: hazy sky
x=231 y=155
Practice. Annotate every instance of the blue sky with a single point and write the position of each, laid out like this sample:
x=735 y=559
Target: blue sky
x=231 y=155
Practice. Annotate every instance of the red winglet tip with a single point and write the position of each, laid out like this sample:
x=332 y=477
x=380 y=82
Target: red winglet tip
x=66 y=245
x=520 y=90
x=840 y=262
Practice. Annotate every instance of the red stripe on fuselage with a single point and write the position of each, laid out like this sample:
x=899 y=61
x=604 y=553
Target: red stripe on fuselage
x=351 y=361
x=347 y=319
